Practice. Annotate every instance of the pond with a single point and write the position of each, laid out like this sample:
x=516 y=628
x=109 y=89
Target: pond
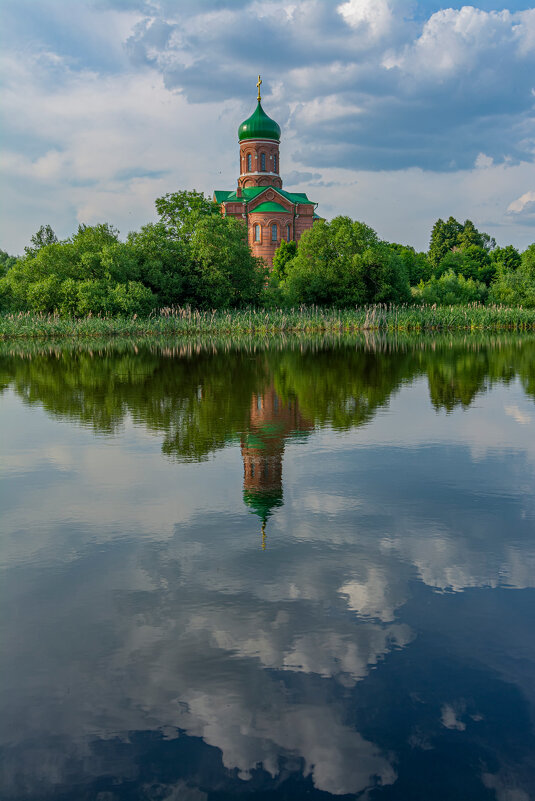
x=285 y=570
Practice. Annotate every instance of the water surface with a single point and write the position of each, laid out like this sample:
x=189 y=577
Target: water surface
x=286 y=572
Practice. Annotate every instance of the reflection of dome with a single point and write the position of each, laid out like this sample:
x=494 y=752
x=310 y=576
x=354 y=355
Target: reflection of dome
x=259 y=126
x=262 y=503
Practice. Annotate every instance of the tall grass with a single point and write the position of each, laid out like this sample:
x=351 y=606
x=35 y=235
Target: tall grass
x=187 y=322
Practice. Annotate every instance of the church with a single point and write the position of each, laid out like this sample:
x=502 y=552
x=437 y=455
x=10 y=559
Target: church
x=271 y=214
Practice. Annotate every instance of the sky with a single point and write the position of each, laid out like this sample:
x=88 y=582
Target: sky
x=394 y=112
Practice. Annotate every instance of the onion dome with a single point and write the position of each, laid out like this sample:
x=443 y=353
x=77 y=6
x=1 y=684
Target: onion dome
x=259 y=126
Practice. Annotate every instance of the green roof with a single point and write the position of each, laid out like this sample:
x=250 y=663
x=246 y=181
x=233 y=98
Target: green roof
x=250 y=192
x=259 y=126
x=221 y=195
x=269 y=206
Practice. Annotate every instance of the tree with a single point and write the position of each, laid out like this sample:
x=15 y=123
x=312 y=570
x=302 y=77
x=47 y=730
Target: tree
x=450 y=289
x=181 y=211
x=6 y=262
x=416 y=264
x=284 y=254
x=516 y=287
x=507 y=258
x=344 y=263
x=453 y=236
x=227 y=273
x=44 y=236
x=444 y=237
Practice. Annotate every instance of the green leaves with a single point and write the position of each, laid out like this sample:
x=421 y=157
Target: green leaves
x=345 y=264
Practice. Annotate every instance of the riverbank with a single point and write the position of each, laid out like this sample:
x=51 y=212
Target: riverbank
x=186 y=322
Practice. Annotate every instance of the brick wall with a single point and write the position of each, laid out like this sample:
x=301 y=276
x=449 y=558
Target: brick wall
x=256 y=148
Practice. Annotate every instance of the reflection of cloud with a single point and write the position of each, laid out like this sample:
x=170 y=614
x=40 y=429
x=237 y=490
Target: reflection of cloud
x=374 y=596
x=505 y=787
x=517 y=414
x=339 y=759
x=450 y=716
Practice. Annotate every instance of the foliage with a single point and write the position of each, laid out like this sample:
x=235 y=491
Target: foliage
x=44 y=236
x=416 y=264
x=343 y=263
x=191 y=256
x=516 y=286
x=507 y=258
x=187 y=322
x=461 y=248
x=284 y=254
x=181 y=211
x=6 y=262
x=450 y=289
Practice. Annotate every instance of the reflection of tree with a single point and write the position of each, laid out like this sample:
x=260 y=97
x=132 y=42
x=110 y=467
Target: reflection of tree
x=456 y=376
x=200 y=398
x=345 y=386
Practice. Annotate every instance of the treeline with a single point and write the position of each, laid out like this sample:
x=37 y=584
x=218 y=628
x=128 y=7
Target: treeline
x=192 y=256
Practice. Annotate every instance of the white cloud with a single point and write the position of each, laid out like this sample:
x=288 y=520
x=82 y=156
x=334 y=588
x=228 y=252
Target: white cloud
x=453 y=41
x=518 y=205
x=375 y=15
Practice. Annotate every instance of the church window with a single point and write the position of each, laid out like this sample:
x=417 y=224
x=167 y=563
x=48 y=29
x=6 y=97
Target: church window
x=288 y=233
x=263 y=162
x=257 y=233
x=274 y=233
x=274 y=163
x=249 y=162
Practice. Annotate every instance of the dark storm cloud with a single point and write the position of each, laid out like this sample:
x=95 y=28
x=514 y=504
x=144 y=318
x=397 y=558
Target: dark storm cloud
x=412 y=85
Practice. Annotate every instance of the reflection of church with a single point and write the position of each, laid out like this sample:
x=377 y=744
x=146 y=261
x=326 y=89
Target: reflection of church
x=271 y=422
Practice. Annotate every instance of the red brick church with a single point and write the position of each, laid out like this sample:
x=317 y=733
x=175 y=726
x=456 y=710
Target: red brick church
x=272 y=215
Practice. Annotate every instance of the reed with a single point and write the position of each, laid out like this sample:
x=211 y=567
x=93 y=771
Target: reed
x=188 y=322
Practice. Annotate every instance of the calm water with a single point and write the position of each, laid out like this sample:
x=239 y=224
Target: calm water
x=299 y=572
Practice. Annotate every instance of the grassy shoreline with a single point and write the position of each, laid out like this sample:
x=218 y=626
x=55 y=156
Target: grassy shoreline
x=186 y=322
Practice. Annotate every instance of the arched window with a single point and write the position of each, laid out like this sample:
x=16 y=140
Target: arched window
x=288 y=232
x=274 y=233
x=263 y=162
x=257 y=233
x=274 y=163
x=249 y=162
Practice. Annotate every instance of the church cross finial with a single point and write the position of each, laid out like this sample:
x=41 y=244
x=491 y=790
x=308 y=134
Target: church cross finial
x=258 y=84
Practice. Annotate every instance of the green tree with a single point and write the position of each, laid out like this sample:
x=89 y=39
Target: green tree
x=344 y=263
x=444 y=237
x=416 y=264
x=516 y=287
x=180 y=212
x=450 y=289
x=6 y=262
x=227 y=273
x=44 y=236
x=284 y=254
x=453 y=236
x=507 y=258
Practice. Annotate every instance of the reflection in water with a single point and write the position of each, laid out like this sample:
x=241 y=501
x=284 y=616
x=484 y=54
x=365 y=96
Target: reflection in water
x=151 y=651
x=262 y=445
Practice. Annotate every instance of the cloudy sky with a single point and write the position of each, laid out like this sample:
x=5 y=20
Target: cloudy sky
x=394 y=112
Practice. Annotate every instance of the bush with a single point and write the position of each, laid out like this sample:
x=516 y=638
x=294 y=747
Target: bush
x=449 y=290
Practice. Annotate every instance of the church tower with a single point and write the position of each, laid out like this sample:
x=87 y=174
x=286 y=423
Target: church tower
x=271 y=214
x=259 y=138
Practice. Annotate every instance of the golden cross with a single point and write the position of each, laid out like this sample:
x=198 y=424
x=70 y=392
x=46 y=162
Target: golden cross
x=258 y=84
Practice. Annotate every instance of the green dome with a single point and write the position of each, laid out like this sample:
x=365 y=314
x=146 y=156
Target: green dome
x=259 y=126
x=263 y=503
